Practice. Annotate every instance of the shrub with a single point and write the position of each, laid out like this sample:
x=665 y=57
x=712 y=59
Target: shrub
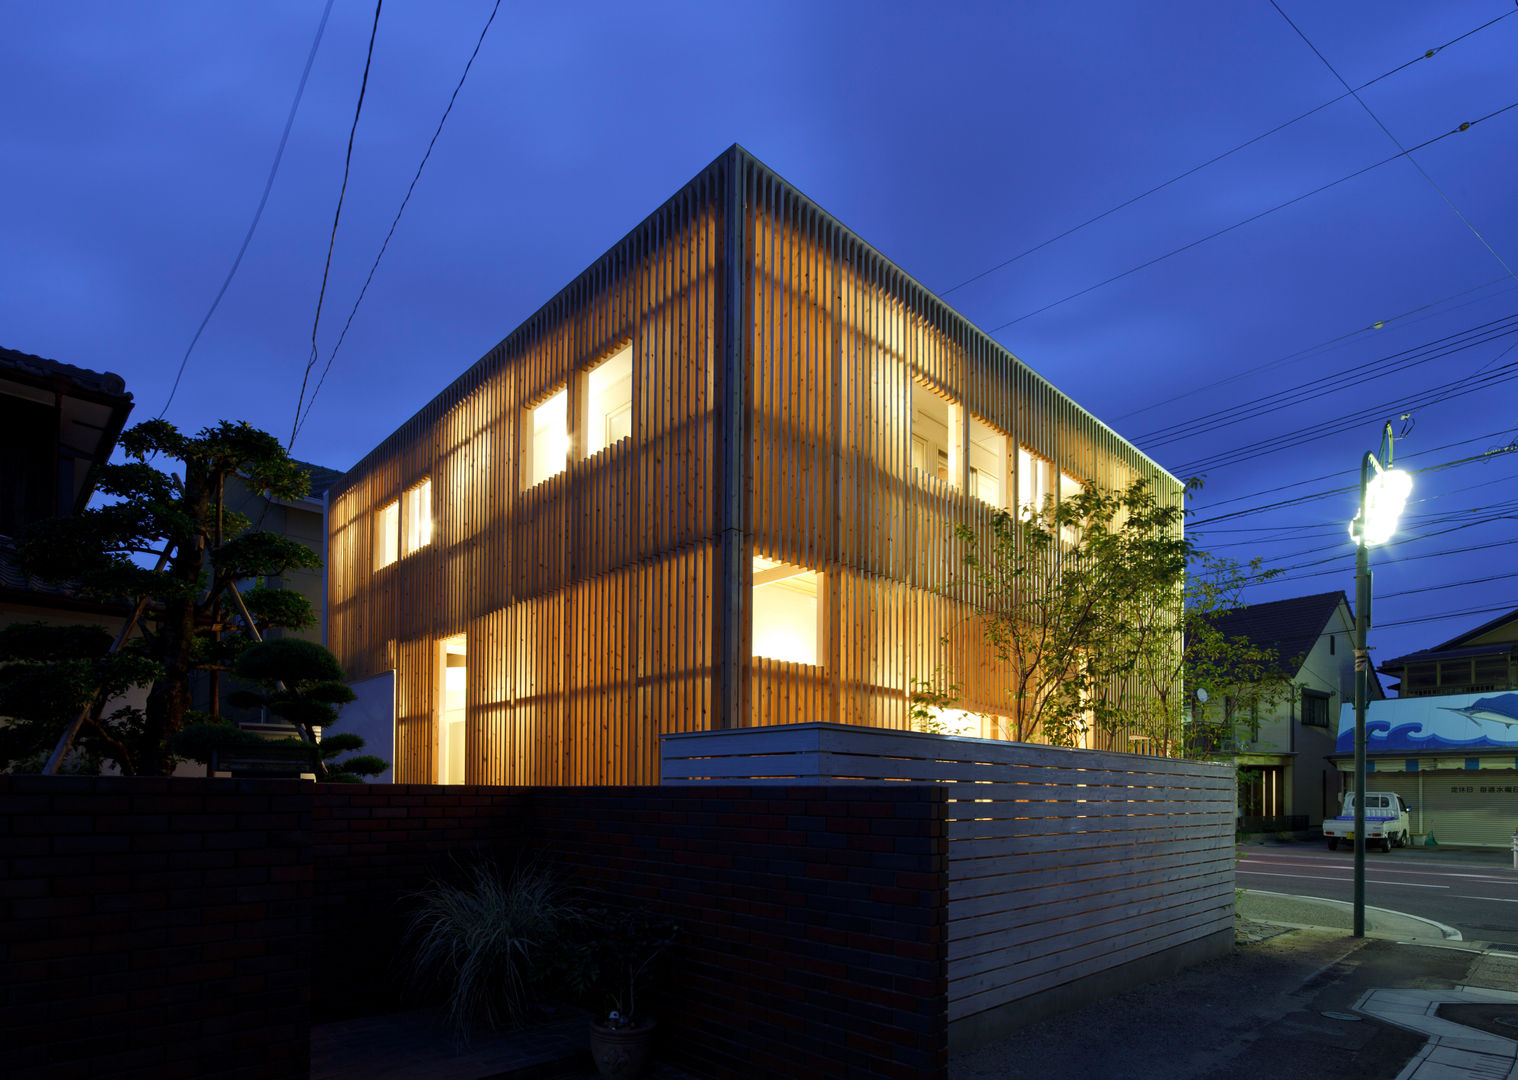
x=482 y=941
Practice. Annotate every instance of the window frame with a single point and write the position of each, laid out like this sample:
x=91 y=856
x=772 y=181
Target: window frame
x=951 y=456
x=387 y=545
x=775 y=573
x=1309 y=694
x=587 y=394
x=1004 y=478
x=416 y=497
x=529 y=457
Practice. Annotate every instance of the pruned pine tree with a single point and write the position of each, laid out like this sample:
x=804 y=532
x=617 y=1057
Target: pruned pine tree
x=163 y=534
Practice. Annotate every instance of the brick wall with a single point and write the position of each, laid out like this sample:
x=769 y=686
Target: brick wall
x=812 y=918
x=373 y=846
x=168 y=928
x=154 y=928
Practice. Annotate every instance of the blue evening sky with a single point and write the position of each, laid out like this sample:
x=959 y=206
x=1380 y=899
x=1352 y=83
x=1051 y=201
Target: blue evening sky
x=137 y=139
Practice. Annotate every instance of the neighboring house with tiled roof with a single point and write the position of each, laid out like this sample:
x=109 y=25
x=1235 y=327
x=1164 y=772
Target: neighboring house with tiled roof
x=1477 y=661
x=1286 y=778
x=57 y=422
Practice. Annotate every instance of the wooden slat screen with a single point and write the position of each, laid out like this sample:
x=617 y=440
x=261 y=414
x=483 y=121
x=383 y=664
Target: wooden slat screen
x=606 y=604
x=585 y=600
x=837 y=336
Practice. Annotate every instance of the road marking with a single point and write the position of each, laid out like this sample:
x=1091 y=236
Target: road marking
x=1268 y=861
x=1483 y=877
x=1378 y=881
x=1498 y=899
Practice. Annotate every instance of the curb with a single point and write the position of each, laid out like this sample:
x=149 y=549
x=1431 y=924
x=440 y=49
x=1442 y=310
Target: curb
x=1445 y=932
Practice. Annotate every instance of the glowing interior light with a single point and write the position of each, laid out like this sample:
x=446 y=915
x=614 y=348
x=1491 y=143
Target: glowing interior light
x=1385 y=495
x=959 y=722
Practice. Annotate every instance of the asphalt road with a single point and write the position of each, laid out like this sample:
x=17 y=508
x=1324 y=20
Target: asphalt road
x=1475 y=892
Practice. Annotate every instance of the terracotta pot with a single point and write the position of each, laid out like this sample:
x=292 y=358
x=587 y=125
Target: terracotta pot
x=621 y=1053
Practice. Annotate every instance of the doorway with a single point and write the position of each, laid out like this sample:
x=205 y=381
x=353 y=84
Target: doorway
x=453 y=709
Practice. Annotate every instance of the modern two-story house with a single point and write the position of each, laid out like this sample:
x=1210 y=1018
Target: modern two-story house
x=712 y=483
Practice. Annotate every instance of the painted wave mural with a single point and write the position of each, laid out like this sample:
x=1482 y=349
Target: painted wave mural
x=1434 y=724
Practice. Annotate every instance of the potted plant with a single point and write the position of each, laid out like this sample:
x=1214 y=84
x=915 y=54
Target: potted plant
x=614 y=960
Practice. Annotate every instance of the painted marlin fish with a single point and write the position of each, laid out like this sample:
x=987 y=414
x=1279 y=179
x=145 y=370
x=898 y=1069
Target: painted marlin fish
x=1499 y=710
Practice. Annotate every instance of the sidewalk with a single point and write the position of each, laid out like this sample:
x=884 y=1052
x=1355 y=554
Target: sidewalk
x=1298 y=997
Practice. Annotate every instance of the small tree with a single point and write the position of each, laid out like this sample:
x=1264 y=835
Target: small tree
x=1090 y=616
x=48 y=674
x=190 y=621
x=1241 y=679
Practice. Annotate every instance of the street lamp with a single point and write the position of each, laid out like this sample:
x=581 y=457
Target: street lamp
x=1383 y=493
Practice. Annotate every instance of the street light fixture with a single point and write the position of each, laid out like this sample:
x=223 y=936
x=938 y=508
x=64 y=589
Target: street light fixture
x=1383 y=493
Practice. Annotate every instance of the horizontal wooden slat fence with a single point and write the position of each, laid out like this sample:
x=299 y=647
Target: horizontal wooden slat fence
x=1071 y=872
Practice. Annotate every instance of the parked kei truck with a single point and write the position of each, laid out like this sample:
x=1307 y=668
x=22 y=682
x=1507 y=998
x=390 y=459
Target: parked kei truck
x=1385 y=821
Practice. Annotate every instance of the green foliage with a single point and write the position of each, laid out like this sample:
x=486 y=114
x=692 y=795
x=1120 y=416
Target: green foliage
x=928 y=698
x=301 y=682
x=279 y=607
x=48 y=675
x=1242 y=680
x=483 y=942
x=610 y=959
x=1091 y=616
x=201 y=740
x=1071 y=599
x=170 y=512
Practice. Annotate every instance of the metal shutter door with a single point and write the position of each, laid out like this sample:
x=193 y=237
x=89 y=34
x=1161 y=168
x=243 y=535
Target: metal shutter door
x=1458 y=811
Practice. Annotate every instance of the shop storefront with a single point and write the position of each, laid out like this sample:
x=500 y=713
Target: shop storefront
x=1454 y=759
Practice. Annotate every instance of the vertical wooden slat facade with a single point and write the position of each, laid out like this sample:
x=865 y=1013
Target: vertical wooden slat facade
x=773 y=354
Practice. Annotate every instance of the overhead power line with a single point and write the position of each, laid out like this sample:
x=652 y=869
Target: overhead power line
x=301 y=418
x=336 y=217
x=1428 y=55
x=1457 y=129
x=1323 y=493
x=1349 y=552
x=1378 y=324
x=1356 y=375
x=1398 y=142
x=1297 y=529
x=1448 y=585
x=1434 y=395
x=258 y=213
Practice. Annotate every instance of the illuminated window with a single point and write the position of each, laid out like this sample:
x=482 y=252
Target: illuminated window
x=608 y=402
x=786 y=612
x=417 y=507
x=546 y=439
x=387 y=534
x=452 y=710
x=1069 y=487
x=935 y=434
x=988 y=463
x=960 y=722
x=1035 y=480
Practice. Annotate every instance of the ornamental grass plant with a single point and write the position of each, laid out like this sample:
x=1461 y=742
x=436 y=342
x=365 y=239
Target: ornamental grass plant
x=481 y=940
